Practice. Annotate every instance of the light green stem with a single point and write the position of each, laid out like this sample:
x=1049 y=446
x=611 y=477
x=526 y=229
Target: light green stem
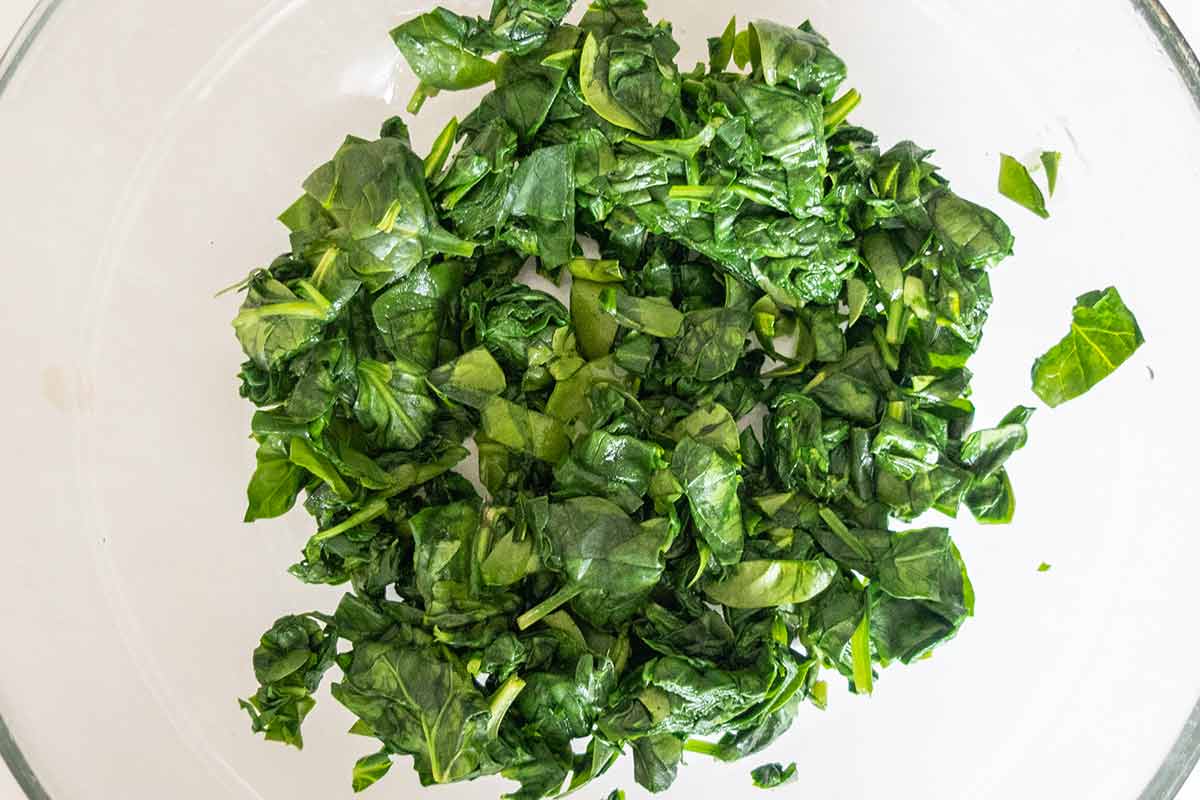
x=842 y=532
x=549 y=605
x=837 y=111
x=301 y=308
x=895 y=320
x=701 y=193
x=443 y=241
x=442 y=146
x=369 y=512
x=702 y=747
x=422 y=93
x=501 y=701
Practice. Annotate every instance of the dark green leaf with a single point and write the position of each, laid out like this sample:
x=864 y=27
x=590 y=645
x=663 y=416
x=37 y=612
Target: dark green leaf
x=435 y=47
x=656 y=761
x=720 y=49
x=419 y=704
x=414 y=315
x=970 y=233
x=393 y=405
x=289 y=663
x=772 y=776
x=610 y=562
x=275 y=483
x=710 y=482
x=798 y=57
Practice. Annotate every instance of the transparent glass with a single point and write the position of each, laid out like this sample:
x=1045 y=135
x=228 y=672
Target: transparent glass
x=146 y=148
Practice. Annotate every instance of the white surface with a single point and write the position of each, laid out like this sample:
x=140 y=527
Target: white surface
x=161 y=275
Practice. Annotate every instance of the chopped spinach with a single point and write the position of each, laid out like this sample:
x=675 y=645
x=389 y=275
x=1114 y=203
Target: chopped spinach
x=772 y=776
x=690 y=476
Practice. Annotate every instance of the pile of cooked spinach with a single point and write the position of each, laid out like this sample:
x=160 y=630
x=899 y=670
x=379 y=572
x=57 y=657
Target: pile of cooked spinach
x=693 y=472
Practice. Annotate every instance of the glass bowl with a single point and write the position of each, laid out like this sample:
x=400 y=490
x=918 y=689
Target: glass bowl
x=147 y=147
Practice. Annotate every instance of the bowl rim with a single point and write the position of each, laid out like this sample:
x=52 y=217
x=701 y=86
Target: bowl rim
x=1180 y=760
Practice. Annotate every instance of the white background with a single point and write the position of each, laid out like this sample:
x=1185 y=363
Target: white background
x=13 y=12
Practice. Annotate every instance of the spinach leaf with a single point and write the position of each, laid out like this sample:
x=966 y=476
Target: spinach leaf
x=275 y=323
x=650 y=315
x=289 y=663
x=926 y=595
x=596 y=329
x=435 y=45
x=522 y=429
x=985 y=451
x=720 y=49
x=629 y=77
x=376 y=193
x=710 y=481
x=991 y=499
x=541 y=202
x=369 y=769
x=610 y=465
x=419 y=703
x=518 y=26
x=1018 y=185
x=275 y=483
x=767 y=583
x=392 y=405
x=711 y=342
x=971 y=233
x=795 y=56
x=514 y=323
x=656 y=761
x=528 y=83
x=1104 y=333
x=414 y=317
x=772 y=776
x=471 y=379
x=609 y=561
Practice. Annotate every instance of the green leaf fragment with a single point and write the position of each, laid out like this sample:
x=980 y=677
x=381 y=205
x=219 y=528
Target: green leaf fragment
x=1018 y=185
x=1104 y=334
x=772 y=776
x=1050 y=161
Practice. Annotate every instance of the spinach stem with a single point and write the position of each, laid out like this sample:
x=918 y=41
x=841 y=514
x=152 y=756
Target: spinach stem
x=702 y=747
x=549 y=605
x=501 y=701
x=702 y=193
x=842 y=532
x=369 y=512
x=443 y=241
x=837 y=111
x=422 y=93
x=860 y=652
x=313 y=295
x=895 y=319
x=301 y=309
x=440 y=151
